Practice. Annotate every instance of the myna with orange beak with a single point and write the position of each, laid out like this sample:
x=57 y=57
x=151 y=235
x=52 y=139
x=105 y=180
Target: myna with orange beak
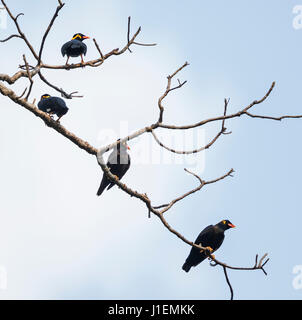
x=53 y=105
x=211 y=238
x=75 y=47
x=118 y=163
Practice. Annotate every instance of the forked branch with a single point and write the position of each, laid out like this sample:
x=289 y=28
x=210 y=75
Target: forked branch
x=30 y=71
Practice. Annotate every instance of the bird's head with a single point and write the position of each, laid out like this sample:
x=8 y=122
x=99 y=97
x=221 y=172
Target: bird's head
x=79 y=36
x=225 y=224
x=45 y=96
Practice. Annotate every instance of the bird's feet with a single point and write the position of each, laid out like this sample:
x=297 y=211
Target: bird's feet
x=58 y=120
x=207 y=249
x=68 y=67
x=82 y=61
x=210 y=250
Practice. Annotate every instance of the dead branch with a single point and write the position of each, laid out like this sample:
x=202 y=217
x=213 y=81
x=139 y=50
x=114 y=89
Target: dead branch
x=257 y=266
x=29 y=71
x=29 y=77
x=21 y=34
x=59 y=7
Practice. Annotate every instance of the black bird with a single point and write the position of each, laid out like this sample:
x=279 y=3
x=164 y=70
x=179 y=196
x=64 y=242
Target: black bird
x=53 y=105
x=211 y=238
x=118 y=163
x=75 y=47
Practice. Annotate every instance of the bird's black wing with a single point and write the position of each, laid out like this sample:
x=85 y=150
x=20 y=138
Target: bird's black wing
x=76 y=44
x=84 y=47
x=203 y=237
x=195 y=256
x=65 y=47
x=59 y=106
x=119 y=169
x=46 y=105
x=42 y=106
x=104 y=183
x=57 y=102
x=118 y=165
x=78 y=47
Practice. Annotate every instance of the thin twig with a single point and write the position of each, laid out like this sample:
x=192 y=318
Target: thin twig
x=128 y=33
x=98 y=48
x=60 y=6
x=22 y=35
x=63 y=93
x=10 y=37
x=228 y=282
x=168 y=89
x=29 y=78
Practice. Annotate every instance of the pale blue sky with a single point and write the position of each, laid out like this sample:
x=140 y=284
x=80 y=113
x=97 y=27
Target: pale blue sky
x=59 y=241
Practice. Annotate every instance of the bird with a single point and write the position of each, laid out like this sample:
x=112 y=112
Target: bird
x=53 y=105
x=75 y=47
x=118 y=163
x=211 y=238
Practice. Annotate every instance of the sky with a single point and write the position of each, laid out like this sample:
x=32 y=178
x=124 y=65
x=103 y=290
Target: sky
x=58 y=240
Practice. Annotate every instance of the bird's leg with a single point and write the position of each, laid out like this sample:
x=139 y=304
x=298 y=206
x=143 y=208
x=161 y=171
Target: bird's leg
x=67 y=61
x=82 y=60
x=211 y=256
x=210 y=250
x=58 y=120
x=207 y=249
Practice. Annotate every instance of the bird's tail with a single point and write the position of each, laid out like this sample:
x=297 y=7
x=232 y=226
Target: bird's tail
x=101 y=188
x=186 y=267
x=110 y=185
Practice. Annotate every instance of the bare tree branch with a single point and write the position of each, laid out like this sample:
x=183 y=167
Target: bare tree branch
x=225 y=117
x=29 y=78
x=10 y=37
x=98 y=48
x=207 y=146
x=168 y=89
x=22 y=35
x=29 y=71
x=18 y=75
x=228 y=282
x=60 y=6
x=133 y=42
x=48 y=120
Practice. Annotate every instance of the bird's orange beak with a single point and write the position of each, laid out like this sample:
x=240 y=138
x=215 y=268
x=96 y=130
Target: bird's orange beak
x=231 y=225
x=86 y=37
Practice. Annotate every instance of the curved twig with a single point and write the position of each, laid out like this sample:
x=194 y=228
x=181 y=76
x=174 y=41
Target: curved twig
x=30 y=71
x=59 y=7
x=228 y=282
